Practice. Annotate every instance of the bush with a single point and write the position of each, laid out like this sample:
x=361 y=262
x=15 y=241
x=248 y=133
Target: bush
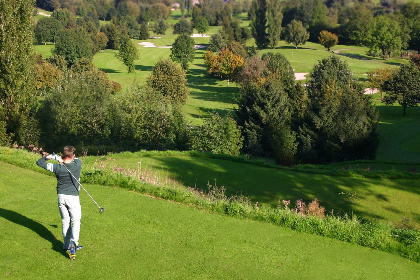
x=217 y=135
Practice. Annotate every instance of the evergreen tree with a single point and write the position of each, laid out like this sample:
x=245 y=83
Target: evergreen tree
x=341 y=121
x=274 y=19
x=258 y=15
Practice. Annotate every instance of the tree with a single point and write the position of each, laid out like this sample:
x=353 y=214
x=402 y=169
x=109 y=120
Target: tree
x=183 y=26
x=17 y=72
x=168 y=79
x=341 y=121
x=99 y=42
x=264 y=114
x=202 y=25
x=217 y=42
x=377 y=78
x=73 y=44
x=296 y=33
x=67 y=18
x=142 y=119
x=218 y=135
x=327 y=39
x=113 y=34
x=47 y=29
x=83 y=95
x=274 y=19
x=403 y=87
x=225 y=64
x=183 y=50
x=258 y=17
x=358 y=27
x=160 y=27
x=385 y=36
x=127 y=53
x=144 y=31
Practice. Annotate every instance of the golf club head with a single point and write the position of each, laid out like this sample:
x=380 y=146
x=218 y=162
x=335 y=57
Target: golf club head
x=101 y=210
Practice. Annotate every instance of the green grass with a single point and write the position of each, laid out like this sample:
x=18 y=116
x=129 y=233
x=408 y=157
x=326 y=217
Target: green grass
x=138 y=237
x=386 y=200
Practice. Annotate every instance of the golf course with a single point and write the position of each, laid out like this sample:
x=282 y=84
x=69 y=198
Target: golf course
x=195 y=215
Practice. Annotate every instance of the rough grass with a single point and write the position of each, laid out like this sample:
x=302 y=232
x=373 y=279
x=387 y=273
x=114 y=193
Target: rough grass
x=155 y=239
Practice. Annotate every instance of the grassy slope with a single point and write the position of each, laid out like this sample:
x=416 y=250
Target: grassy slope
x=142 y=238
x=383 y=199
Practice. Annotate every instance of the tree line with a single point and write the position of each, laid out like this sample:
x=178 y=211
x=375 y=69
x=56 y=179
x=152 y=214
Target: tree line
x=65 y=99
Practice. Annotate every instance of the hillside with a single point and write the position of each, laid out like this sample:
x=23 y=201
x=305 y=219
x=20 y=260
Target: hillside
x=139 y=237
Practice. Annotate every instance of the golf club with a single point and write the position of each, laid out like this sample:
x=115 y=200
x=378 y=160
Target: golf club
x=101 y=210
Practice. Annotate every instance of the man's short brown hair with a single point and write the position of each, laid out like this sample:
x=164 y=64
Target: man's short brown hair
x=68 y=152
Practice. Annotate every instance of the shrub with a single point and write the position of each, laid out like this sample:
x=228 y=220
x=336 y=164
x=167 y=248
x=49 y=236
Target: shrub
x=217 y=135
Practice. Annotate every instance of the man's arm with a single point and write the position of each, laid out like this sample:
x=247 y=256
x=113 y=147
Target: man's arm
x=42 y=162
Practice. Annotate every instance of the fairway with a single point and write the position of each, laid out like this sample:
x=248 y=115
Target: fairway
x=139 y=237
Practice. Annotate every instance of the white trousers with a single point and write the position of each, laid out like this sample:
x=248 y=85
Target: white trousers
x=71 y=214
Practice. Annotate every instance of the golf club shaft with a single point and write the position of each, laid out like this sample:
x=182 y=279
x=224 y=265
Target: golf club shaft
x=82 y=186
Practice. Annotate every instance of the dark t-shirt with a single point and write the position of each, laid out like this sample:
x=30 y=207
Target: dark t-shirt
x=66 y=184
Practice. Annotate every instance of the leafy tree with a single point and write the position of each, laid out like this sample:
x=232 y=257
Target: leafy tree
x=99 y=42
x=144 y=31
x=274 y=19
x=296 y=33
x=47 y=75
x=225 y=64
x=254 y=71
x=17 y=68
x=168 y=79
x=327 y=39
x=75 y=109
x=158 y=11
x=359 y=24
x=67 y=18
x=160 y=27
x=403 y=87
x=377 y=78
x=202 y=25
x=183 y=26
x=258 y=17
x=341 y=121
x=113 y=34
x=385 y=36
x=73 y=44
x=183 y=50
x=127 y=53
x=415 y=59
x=142 y=119
x=47 y=29
x=218 y=135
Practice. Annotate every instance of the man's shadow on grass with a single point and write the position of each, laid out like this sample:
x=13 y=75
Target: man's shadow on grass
x=36 y=227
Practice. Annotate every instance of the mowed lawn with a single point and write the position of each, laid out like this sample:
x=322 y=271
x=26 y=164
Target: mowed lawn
x=138 y=237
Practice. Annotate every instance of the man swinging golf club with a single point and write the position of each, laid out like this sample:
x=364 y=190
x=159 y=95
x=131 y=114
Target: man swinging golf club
x=68 y=188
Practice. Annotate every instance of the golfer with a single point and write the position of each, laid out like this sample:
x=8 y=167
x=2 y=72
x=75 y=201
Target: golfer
x=68 y=194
